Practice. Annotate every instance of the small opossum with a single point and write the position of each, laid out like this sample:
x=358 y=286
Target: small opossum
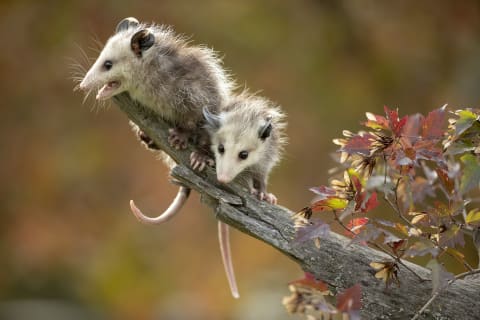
x=163 y=72
x=247 y=138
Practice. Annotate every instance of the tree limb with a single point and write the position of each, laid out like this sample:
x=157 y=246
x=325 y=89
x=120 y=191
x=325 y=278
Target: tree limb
x=337 y=261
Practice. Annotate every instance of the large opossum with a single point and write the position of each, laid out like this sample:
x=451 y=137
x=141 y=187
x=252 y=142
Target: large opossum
x=161 y=71
x=247 y=138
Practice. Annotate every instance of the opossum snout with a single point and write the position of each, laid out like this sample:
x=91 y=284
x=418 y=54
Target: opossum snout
x=82 y=86
x=223 y=178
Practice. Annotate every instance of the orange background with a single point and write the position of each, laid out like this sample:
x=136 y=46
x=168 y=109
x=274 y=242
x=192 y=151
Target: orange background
x=69 y=247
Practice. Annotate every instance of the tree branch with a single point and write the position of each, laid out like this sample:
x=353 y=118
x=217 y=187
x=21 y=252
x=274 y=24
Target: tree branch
x=337 y=261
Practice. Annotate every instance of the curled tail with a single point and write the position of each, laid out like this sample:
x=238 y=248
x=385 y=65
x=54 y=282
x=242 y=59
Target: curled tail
x=174 y=208
x=224 y=239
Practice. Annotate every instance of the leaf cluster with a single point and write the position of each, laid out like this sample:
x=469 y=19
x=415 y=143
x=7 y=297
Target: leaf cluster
x=427 y=171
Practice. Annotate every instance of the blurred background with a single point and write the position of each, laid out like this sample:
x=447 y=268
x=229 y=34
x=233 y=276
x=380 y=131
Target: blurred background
x=69 y=247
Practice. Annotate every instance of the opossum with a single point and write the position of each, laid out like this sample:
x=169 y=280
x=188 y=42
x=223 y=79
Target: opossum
x=163 y=72
x=247 y=138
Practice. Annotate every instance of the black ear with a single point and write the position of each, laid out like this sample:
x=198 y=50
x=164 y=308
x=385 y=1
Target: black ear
x=141 y=41
x=265 y=130
x=213 y=120
x=126 y=23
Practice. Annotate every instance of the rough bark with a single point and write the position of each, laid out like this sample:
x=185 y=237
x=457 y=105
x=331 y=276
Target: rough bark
x=337 y=261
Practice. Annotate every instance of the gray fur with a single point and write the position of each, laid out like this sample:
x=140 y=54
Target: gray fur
x=173 y=78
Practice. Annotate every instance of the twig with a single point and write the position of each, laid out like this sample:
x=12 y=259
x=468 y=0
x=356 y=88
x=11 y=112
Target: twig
x=435 y=295
x=395 y=205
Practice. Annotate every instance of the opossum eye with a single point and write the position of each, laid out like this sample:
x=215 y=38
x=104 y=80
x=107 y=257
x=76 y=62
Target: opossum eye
x=221 y=148
x=243 y=155
x=108 y=65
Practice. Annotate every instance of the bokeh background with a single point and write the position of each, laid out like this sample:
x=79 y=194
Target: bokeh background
x=69 y=247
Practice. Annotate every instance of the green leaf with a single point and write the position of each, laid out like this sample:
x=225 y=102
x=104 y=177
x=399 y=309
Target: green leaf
x=332 y=203
x=473 y=216
x=465 y=120
x=471 y=173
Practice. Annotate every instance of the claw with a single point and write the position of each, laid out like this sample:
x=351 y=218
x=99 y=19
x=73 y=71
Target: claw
x=177 y=139
x=198 y=161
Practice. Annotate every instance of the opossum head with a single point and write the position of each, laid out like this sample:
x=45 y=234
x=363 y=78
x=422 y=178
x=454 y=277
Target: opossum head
x=239 y=141
x=111 y=72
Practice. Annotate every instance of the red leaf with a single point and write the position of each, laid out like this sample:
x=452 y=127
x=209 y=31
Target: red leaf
x=350 y=299
x=433 y=125
x=359 y=144
x=310 y=281
x=396 y=246
x=357 y=184
x=371 y=203
x=323 y=191
x=412 y=127
x=376 y=122
x=317 y=229
x=447 y=182
x=396 y=124
x=356 y=225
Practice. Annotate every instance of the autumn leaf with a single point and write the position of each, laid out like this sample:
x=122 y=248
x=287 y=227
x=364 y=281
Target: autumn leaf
x=418 y=217
x=473 y=216
x=350 y=302
x=452 y=236
x=396 y=124
x=371 y=203
x=376 y=122
x=433 y=127
x=471 y=173
x=356 y=225
x=440 y=277
x=323 y=191
x=446 y=181
x=333 y=203
x=466 y=118
x=386 y=271
x=316 y=229
x=310 y=281
x=397 y=247
x=359 y=144
x=412 y=127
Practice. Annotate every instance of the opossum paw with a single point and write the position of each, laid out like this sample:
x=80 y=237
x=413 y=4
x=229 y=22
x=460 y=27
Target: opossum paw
x=177 y=139
x=270 y=198
x=147 y=141
x=264 y=196
x=199 y=161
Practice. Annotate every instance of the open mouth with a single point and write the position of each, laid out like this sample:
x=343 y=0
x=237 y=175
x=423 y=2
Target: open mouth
x=108 y=90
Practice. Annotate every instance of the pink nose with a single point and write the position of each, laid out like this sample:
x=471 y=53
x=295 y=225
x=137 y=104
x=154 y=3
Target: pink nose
x=223 y=179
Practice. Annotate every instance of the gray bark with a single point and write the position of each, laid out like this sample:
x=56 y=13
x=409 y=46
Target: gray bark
x=337 y=262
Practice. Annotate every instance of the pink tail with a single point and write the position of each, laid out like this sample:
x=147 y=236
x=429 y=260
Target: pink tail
x=174 y=208
x=224 y=239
